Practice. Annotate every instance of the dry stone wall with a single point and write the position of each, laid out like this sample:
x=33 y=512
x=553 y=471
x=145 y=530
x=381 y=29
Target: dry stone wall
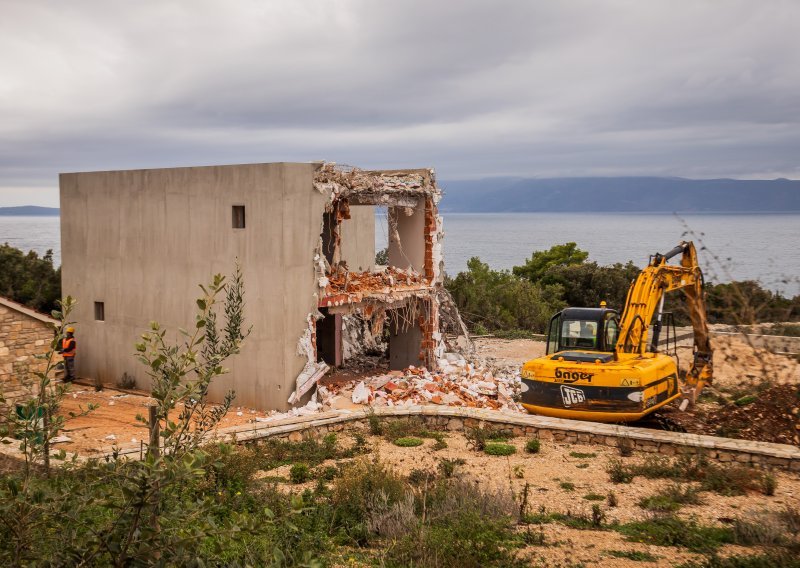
x=23 y=334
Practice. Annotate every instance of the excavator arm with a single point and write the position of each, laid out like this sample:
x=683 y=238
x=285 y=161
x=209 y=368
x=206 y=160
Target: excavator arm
x=646 y=300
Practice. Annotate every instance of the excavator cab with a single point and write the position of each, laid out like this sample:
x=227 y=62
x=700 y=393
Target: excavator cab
x=573 y=330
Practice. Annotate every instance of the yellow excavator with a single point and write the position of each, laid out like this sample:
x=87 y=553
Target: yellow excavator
x=604 y=367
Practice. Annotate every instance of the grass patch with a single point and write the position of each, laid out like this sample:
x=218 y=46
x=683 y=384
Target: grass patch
x=671 y=499
x=670 y=530
x=594 y=497
x=583 y=455
x=729 y=480
x=567 y=486
x=635 y=555
x=582 y=465
x=409 y=442
x=499 y=449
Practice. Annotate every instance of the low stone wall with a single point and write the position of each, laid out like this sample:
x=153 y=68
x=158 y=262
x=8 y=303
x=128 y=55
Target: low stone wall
x=724 y=450
x=24 y=334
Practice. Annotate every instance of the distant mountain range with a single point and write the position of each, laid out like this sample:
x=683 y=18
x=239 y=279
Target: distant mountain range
x=28 y=211
x=595 y=194
x=620 y=194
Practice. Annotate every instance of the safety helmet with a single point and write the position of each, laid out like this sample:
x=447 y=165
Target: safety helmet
x=70 y=329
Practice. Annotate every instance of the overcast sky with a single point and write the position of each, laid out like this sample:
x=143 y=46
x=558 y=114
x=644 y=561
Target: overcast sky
x=527 y=88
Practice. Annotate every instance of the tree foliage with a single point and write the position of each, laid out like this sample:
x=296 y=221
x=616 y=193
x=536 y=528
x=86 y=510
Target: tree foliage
x=536 y=268
x=28 y=279
x=500 y=300
x=525 y=298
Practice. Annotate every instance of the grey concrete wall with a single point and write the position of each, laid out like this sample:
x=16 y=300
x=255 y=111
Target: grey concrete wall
x=141 y=241
x=410 y=250
x=358 y=238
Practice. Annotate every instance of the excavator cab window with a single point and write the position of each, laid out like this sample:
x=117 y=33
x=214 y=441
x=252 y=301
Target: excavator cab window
x=611 y=331
x=579 y=334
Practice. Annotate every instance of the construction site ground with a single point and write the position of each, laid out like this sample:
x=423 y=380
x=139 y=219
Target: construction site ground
x=568 y=479
x=773 y=414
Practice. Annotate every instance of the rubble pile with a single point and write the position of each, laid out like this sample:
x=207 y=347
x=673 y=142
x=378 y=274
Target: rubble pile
x=341 y=281
x=457 y=383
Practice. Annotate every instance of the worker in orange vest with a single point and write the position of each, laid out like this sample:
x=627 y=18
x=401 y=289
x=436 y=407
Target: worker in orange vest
x=68 y=349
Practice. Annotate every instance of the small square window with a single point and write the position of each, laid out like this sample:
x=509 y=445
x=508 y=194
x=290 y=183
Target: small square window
x=238 y=216
x=100 y=311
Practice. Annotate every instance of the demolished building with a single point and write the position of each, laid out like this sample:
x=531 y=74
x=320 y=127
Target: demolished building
x=136 y=243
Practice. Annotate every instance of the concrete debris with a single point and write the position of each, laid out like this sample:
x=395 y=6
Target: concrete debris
x=344 y=287
x=457 y=383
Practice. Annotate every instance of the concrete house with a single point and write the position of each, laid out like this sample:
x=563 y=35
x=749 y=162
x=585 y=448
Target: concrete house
x=136 y=244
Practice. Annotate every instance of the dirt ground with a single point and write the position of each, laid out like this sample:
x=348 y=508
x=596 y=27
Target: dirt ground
x=113 y=422
x=548 y=474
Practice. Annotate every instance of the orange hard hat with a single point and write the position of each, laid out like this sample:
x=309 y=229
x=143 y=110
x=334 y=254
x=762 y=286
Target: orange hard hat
x=70 y=329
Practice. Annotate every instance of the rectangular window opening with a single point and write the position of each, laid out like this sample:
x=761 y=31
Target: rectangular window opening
x=100 y=311
x=238 y=216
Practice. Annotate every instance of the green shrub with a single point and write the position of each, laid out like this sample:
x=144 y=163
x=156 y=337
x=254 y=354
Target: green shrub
x=611 y=499
x=355 y=492
x=594 y=497
x=567 y=486
x=670 y=499
x=299 y=473
x=420 y=476
x=533 y=446
x=409 y=442
x=499 y=449
x=477 y=438
x=635 y=555
x=745 y=400
x=769 y=483
x=447 y=467
x=619 y=472
x=674 y=531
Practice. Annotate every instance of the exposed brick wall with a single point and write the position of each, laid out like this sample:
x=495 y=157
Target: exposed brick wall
x=430 y=233
x=21 y=338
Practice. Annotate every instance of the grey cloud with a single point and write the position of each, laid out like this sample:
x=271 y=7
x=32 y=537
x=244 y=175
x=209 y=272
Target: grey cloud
x=472 y=88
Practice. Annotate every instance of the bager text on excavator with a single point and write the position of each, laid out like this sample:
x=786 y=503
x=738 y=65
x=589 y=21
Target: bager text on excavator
x=606 y=368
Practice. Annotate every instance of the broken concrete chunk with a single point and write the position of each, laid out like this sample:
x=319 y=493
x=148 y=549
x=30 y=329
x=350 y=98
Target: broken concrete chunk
x=361 y=394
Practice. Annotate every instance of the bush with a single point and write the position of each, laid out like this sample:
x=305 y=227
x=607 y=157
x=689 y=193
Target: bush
x=447 y=467
x=499 y=449
x=594 y=497
x=533 y=446
x=497 y=299
x=299 y=473
x=772 y=559
x=769 y=483
x=476 y=438
x=674 y=531
x=409 y=442
x=670 y=499
x=358 y=487
x=618 y=472
x=567 y=486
